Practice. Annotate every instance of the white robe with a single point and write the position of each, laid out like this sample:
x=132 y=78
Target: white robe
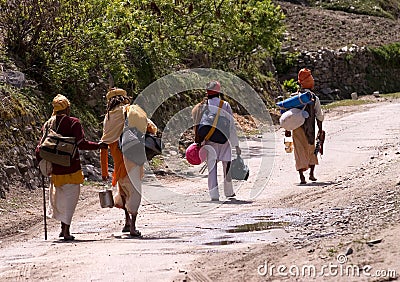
x=63 y=201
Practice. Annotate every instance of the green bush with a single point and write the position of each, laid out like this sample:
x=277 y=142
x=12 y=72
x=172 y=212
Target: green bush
x=67 y=44
x=284 y=61
x=290 y=85
x=388 y=55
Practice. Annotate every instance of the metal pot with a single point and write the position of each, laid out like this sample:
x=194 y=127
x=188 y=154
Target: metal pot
x=106 y=199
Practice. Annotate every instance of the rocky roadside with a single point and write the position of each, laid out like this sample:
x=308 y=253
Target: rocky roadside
x=361 y=232
x=315 y=28
x=372 y=202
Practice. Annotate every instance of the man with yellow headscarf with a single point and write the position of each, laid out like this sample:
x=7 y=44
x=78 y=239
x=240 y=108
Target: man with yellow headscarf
x=65 y=181
x=127 y=176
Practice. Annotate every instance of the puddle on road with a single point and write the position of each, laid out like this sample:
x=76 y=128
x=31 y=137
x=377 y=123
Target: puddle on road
x=258 y=226
x=263 y=217
x=221 y=243
x=266 y=225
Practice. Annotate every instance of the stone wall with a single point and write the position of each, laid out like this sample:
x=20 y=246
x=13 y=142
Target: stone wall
x=338 y=73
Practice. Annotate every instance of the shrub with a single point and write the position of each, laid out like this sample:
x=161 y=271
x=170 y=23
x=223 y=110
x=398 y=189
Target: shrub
x=66 y=43
x=388 y=55
x=290 y=85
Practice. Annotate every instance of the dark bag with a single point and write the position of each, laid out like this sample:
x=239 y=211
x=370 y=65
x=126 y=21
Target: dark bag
x=214 y=127
x=56 y=148
x=138 y=147
x=153 y=146
x=131 y=144
x=238 y=169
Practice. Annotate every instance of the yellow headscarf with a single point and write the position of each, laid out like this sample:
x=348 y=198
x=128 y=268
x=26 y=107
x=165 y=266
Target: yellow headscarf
x=115 y=92
x=60 y=102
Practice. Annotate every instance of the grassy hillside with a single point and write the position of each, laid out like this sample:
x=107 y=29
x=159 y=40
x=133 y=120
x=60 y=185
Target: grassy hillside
x=382 y=8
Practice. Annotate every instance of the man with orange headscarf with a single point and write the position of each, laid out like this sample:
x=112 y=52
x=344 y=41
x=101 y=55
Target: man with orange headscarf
x=65 y=181
x=304 y=136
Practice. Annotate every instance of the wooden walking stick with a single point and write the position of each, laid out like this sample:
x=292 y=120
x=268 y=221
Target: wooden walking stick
x=44 y=209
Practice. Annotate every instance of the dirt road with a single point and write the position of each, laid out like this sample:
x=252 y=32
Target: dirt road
x=190 y=238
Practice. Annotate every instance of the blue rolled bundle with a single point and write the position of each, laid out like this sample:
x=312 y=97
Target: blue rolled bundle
x=298 y=101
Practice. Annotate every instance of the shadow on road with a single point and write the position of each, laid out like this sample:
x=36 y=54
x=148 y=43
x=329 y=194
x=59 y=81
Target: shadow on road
x=237 y=202
x=76 y=241
x=323 y=183
x=146 y=237
x=229 y=202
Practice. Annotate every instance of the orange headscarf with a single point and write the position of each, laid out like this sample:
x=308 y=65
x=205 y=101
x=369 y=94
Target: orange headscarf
x=305 y=79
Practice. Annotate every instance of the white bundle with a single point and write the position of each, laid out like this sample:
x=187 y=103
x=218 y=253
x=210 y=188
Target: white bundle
x=293 y=118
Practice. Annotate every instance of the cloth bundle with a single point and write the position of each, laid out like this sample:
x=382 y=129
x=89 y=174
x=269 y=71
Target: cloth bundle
x=293 y=118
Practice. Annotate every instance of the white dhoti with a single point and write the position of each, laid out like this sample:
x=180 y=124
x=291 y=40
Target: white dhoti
x=63 y=201
x=130 y=186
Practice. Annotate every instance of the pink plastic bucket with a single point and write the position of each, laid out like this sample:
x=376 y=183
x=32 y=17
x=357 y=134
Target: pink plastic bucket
x=193 y=154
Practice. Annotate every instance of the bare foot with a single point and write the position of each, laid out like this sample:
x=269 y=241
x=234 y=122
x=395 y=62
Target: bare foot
x=126 y=228
x=302 y=178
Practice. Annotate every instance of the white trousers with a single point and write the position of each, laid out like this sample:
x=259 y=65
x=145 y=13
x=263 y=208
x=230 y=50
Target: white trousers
x=212 y=162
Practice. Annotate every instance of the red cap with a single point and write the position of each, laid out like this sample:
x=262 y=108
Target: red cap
x=213 y=87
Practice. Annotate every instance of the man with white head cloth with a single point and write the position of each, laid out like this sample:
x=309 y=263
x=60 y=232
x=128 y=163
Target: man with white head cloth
x=217 y=151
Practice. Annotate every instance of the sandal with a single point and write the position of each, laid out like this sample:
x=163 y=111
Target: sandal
x=135 y=234
x=69 y=238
